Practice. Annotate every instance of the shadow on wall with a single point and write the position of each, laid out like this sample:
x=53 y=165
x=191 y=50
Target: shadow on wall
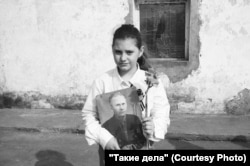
x=51 y=157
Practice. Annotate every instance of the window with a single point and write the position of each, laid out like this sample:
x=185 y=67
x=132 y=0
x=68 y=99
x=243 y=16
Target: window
x=164 y=25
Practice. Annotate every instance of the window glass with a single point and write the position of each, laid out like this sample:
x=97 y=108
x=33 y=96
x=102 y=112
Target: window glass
x=162 y=26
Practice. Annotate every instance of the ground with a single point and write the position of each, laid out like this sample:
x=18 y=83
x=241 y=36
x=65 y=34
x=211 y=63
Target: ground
x=67 y=149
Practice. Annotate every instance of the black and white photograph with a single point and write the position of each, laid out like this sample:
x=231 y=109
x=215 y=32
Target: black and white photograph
x=82 y=78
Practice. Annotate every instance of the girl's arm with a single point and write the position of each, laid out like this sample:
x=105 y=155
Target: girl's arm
x=94 y=132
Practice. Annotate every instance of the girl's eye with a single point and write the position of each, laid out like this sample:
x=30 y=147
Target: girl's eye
x=117 y=52
x=129 y=52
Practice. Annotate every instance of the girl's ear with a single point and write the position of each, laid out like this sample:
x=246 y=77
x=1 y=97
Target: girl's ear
x=141 y=51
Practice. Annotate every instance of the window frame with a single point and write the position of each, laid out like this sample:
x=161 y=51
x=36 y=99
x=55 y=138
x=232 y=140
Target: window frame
x=187 y=27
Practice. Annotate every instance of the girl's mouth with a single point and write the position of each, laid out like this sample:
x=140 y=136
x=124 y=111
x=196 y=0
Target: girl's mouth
x=123 y=64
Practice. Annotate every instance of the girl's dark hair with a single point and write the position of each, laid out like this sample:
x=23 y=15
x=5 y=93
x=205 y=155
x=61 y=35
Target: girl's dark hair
x=128 y=31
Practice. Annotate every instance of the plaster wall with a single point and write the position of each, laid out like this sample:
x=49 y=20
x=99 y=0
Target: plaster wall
x=58 y=47
x=224 y=68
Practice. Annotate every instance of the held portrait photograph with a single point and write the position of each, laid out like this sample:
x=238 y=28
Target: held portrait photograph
x=120 y=113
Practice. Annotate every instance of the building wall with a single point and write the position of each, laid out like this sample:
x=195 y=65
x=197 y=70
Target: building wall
x=223 y=69
x=58 y=47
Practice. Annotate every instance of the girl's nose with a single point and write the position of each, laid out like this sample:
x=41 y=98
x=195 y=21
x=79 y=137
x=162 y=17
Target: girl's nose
x=123 y=57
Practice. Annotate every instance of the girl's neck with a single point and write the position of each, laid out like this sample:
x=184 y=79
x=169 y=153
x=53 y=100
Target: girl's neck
x=126 y=76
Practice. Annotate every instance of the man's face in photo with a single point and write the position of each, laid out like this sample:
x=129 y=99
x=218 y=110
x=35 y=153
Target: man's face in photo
x=119 y=105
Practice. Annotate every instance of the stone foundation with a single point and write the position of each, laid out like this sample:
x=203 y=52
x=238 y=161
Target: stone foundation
x=179 y=102
x=36 y=100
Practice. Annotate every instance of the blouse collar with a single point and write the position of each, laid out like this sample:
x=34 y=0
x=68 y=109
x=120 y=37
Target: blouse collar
x=134 y=78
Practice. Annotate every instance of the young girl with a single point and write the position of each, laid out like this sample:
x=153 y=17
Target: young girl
x=127 y=49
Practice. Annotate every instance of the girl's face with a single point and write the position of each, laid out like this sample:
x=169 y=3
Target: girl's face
x=126 y=53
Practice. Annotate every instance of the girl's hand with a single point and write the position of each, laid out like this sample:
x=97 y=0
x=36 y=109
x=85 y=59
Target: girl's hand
x=148 y=127
x=112 y=144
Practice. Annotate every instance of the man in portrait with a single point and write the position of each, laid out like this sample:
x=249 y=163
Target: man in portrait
x=126 y=128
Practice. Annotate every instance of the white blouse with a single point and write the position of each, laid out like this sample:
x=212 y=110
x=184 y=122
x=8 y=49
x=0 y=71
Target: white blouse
x=158 y=105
